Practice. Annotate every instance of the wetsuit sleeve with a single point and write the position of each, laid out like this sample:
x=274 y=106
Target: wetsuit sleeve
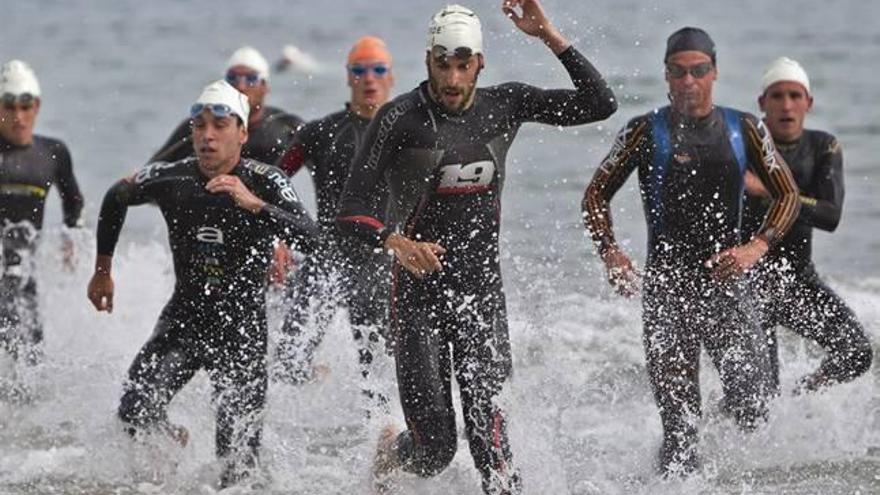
x=626 y=155
x=774 y=173
x=178 y=146
x=127 y=192
x=71 y=197
x=365 y=181
x=823 y=210
x=592 y=99
x=286 y=216
x=299 y=152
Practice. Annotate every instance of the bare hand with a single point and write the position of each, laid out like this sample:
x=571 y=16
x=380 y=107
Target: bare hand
x=534 y=22
x=622 y=275
x=101 y=291
x=282 y=263
x=754 y=186
x=735 y=261
x=234 y=187
x=419 y=258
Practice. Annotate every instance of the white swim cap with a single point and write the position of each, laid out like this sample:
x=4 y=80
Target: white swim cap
x=221 y=99
x=17 y=78
x=249 y=57
x=784 y=69
x=455 y=27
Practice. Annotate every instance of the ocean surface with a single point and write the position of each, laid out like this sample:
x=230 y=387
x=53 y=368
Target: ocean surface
x=117 y=76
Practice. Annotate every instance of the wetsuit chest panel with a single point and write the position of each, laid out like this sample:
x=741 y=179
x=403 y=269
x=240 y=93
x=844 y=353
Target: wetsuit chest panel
x=26 y=175
x=694 y=183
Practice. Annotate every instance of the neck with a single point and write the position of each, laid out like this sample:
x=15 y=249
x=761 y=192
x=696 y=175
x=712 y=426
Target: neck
x=694 y=113
x=223 y=169
x=364 y=111
x=256 y=115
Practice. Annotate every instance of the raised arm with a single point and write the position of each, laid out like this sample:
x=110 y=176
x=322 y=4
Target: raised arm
x=592 y=99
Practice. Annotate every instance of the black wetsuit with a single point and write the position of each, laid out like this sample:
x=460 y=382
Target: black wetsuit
x=445 y=175
x=340 y=271
x=791 y=293
x=691 y=178
x=267 y=139
x=216 y=317
x=26 y=175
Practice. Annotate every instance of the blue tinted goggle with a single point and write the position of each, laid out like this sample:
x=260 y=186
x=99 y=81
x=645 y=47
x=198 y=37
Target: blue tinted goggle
x=248 y=79
x=360 y=70
x=218 y=109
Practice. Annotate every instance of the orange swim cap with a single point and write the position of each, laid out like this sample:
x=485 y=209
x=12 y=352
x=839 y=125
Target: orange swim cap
x=369 y=48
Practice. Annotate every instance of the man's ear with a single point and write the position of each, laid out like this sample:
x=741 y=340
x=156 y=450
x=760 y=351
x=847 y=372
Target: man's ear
x=761 y=100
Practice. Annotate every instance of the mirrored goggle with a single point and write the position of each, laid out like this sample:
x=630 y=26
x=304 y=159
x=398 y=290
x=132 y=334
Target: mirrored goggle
x=218 y=109
x=360 y=70
x=249 y=79
x=440 y=51
x=699 y=71
x=10 y=101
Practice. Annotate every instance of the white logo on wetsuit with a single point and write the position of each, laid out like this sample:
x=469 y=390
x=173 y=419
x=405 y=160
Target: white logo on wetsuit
x=150 y=171
x=768 y=150
x=210 y=234
x=459 y=178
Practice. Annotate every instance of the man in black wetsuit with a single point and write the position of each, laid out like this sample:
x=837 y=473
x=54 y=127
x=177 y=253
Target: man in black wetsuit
x=691 y=158
x=790 y=291
x=341 y=271
x=442 y=150
x=29 y=166
x=269 y=129
x=223 y=213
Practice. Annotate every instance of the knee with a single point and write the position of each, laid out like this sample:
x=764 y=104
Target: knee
x=437 y=455
x=861 y=358
x=434 y=451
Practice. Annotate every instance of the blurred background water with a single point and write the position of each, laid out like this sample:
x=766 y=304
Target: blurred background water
x=117 y=76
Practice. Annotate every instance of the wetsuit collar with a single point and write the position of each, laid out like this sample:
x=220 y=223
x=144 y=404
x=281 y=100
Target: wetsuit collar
x=692 y=122
x=6 y=145
x=354 y=115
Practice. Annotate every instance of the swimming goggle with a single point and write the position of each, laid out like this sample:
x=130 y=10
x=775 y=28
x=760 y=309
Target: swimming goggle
x=25 y=100
x=699 y=71
x=360 y=70
x=218 y=109
x=440 y=51
x=248 y=79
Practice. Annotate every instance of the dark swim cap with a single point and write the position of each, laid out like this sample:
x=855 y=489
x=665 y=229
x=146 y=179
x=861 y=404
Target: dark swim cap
x=690 y=38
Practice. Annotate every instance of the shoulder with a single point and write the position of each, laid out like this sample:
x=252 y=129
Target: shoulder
x=404 y=104
x=277 y=116
x=48 y=144
x=156 y=170
x=822 y=140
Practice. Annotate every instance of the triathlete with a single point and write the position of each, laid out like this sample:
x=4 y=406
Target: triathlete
x=691 y=157
x=341 y=271
x=269 y=129
x=442 y=149
x=791 y=293
x=222 y=213
x=29 y=166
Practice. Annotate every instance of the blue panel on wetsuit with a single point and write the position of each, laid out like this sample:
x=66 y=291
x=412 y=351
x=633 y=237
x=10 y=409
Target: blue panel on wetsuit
x=662 y=152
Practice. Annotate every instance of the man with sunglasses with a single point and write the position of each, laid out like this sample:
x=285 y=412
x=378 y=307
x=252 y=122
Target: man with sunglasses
x=223 y=213
x=791 y=292
x=269 y=129
x=442 y=148
x=29 y=166
x=341 y=271
x=691 y=158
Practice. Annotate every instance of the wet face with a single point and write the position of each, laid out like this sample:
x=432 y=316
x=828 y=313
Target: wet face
x=785 y=105
x=691 y=75
x=17 y=120
x=453 y=80
x=217 y=141
x=370 y=82
x=248 y=82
